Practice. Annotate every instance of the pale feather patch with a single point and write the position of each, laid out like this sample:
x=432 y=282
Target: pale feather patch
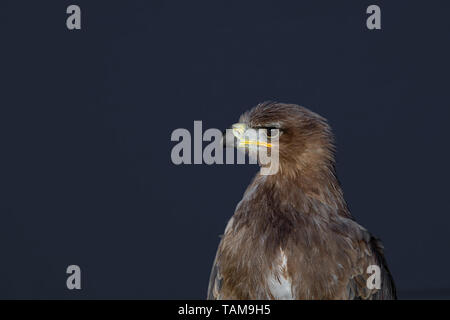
x=278 y=281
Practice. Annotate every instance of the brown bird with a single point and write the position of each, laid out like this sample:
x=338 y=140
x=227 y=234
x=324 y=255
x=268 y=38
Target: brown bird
x=292 y=235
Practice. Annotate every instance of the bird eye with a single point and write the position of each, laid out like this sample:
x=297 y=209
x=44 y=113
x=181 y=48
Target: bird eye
x=272 y=133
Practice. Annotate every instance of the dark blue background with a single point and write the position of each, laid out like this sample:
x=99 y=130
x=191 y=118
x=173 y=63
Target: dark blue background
x=86 y=117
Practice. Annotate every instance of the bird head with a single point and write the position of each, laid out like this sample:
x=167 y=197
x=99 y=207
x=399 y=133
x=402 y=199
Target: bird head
x=301 y=139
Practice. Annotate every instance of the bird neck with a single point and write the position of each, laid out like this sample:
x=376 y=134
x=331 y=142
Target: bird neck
x=311 y=190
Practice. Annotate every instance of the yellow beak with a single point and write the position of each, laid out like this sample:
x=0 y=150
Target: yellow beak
x=240 y=132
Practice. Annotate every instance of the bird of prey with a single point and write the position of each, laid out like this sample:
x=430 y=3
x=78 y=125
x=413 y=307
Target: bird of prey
x=292 y=235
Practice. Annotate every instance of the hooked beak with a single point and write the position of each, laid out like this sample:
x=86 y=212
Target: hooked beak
x=247 y=136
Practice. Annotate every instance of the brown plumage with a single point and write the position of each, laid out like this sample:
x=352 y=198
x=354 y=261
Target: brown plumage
x=292 y=235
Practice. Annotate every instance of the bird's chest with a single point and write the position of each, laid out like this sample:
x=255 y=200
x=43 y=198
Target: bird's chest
x=266 y=267
x=278 y=280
